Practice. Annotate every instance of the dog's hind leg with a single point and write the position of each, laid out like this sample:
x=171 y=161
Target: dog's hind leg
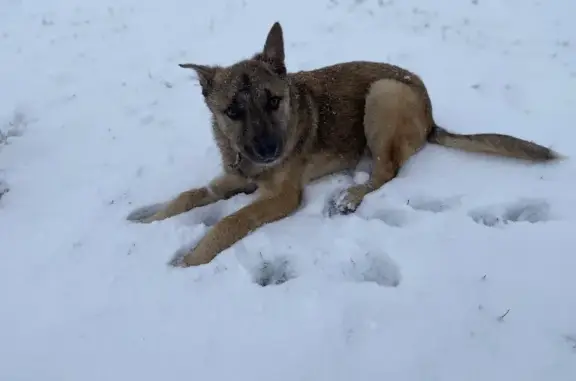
x=396 y=125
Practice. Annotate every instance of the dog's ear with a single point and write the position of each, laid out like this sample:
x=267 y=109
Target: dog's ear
x=273 y=52
x=205 y=76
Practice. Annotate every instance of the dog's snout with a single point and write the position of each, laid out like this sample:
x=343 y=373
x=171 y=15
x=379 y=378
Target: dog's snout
x=266 y=146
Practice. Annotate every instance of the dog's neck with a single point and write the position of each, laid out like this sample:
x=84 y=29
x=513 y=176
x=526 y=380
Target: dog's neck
x=236 y=164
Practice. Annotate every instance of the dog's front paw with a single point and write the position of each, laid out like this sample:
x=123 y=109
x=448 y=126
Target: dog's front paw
x=178 y=259
x=188 y=256
x=184 y=259
x=146 y=213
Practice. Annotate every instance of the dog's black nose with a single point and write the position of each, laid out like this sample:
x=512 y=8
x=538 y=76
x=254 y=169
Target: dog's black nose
x=266 y=148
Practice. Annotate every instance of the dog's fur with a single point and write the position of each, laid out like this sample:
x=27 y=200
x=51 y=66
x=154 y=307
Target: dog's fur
x=277 y=131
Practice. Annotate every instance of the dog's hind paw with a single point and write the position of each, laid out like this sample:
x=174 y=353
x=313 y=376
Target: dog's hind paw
x=143 y=213
x=342 y=202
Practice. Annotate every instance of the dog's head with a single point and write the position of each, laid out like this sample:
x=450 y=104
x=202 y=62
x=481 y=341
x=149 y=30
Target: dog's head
x=250 y=101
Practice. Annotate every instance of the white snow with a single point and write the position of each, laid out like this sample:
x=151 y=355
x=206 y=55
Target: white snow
x=410 y=287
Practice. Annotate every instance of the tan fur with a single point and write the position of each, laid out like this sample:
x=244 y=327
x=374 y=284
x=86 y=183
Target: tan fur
x=278 y=131
x=494 y=144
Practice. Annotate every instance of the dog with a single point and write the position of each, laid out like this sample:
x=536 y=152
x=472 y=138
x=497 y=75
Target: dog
x=277 y=131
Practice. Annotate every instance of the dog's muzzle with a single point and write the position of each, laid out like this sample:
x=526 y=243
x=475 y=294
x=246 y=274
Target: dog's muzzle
x=264 y=149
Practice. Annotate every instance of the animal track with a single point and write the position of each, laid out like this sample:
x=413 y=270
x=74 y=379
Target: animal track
x=337 y=204
x=432 y=204
x=273 y=272
x=523 y=210
x=527 y=210
x=398 y=217
x=571 y=340
x=14 y=125
x=4 y=188
x=366 y=267
x=374 y=268
x=391 y=217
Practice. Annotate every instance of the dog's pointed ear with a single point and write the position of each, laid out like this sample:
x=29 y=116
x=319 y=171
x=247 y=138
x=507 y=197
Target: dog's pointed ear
x=205 y=76
x=273 y=51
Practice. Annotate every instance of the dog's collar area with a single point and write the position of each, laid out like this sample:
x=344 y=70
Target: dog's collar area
x=236 y=162
x=235 y=166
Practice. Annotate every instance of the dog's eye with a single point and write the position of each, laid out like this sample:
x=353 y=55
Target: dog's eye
x=274 y=103
x=233 y=112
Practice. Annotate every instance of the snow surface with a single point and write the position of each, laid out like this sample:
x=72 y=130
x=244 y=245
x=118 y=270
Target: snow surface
x=97 y=119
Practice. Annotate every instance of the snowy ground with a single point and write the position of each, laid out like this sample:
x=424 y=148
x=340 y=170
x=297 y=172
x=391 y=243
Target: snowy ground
x=97 y=119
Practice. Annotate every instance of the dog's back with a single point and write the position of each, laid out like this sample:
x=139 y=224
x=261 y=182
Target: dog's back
x=339 y=93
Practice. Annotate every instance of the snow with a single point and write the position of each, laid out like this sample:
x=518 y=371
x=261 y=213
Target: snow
x=462 y=268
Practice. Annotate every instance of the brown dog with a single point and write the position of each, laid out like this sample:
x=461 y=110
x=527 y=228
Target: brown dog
x=277 y=131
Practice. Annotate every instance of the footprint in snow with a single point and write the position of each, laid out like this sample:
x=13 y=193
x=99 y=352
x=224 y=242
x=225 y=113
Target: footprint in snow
x=367 y=267
x=434 y=205
x=400 y=216
x=4 y=188
x=273 y=272
x=395 y=217
x=527 y=210
x=373 y=268
x=392 y=217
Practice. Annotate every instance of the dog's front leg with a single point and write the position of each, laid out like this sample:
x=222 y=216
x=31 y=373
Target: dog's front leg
x=231 y=229
x=220 y=188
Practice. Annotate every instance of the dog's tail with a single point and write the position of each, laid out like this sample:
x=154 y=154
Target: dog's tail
x=493 y=144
